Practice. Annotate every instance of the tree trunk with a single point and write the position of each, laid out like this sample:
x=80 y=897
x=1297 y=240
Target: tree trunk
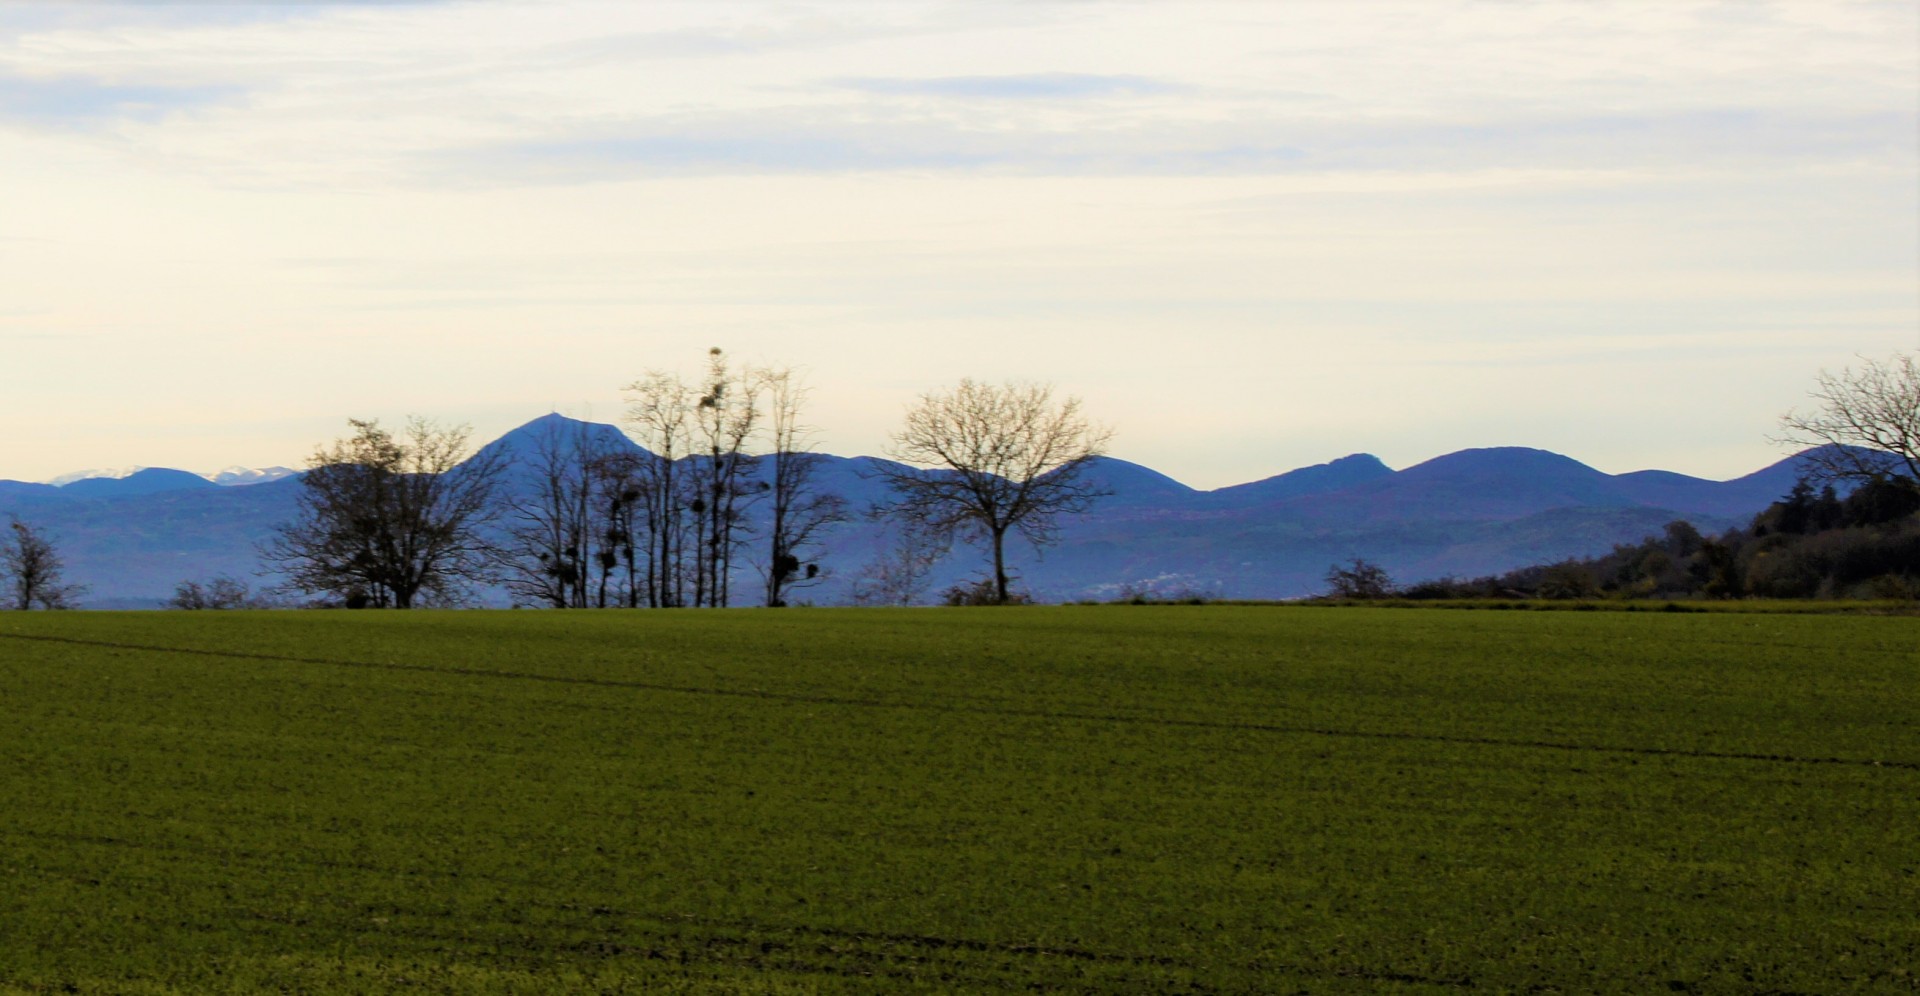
x=999 y=567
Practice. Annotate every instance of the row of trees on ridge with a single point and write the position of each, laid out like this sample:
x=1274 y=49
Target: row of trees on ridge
x=723 y=477
x=398 y=520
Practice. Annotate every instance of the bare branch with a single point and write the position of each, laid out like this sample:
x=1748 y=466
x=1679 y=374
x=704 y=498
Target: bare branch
x=988 y=459
x=31 y=570
x=800 y=513
x=1866 y=426
x=386 y=520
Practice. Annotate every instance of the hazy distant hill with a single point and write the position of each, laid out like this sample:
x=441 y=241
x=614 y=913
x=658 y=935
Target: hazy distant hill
x=1473 y=512
x=1346 y=472
x=82 y=475
x=146 y=481
x=133 y=549
x=1133 y=485
x=25 y=489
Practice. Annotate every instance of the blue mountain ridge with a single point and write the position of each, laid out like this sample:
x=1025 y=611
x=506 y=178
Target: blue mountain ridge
x=1346 y=472
x=1471 y=512
x=149 y=481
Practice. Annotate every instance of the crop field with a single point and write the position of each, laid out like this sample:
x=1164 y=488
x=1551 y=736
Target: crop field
x=1101 y=798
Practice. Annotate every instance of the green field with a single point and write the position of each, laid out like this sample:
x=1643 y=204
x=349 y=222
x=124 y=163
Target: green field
x=1151 y=799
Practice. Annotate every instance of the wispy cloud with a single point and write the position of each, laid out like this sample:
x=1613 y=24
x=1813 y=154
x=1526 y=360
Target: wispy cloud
x=833 y=140
x=78 y=103
x=1026 y=86
x=825 y=142
x=499 y=94
x=768 y=34
x=18 y=19
x=1705 y=137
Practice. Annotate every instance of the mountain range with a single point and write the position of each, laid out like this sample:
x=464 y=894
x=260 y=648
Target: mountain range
x=226 y=476
x=133 y=538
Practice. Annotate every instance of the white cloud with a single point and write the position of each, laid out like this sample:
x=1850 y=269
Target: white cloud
x=1017 y=86
x=537 y=94
x=83 y=103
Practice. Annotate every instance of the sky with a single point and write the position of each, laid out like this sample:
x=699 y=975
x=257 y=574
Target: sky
x=1250 y=236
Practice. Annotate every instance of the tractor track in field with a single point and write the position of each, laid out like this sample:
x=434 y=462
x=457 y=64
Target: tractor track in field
x=691 y=939
x=685 y=938
x=1009 y=711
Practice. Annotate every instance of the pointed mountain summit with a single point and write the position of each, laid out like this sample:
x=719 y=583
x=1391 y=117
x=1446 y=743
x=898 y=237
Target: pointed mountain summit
x=559 y=430
x=528 y=449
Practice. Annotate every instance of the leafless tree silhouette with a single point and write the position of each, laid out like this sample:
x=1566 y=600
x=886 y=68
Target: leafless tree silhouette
x=990 y=459
x=391 y=520
x=32 y=570
x=800 y=511
x=1866 y=423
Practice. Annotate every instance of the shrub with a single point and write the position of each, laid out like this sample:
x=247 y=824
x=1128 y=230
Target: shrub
x=1567 y=580
x=1360 y=579
x=982 y=592
x=221 y=592
x=1894 y=586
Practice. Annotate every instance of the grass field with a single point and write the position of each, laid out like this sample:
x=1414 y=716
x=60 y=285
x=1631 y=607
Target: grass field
x=1153 y=799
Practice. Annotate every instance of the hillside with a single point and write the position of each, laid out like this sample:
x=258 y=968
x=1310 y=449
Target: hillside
x=146 y=481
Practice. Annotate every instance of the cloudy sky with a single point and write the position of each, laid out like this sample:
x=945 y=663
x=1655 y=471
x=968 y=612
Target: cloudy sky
x=1250 y=235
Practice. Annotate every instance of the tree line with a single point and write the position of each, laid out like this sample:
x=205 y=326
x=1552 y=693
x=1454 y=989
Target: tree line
x=596 y=523
x=718 y=504
x=1812 y=543
x=1849 y=528
x=413 y=518
x=711 y=498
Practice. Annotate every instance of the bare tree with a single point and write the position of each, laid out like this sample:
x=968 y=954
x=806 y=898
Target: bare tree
x=727 y=414
x=219 y=592
x=659 y=410
x=1360 y=579
x=391 y=520
x=619 y=503
x=990 y=459
x=32 y=570
x=800 y=511
x=554 y=519
x=688 y=501
x=898 y=572
x=1866 y=425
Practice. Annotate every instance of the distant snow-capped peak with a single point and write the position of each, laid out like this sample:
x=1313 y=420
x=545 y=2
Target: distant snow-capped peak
x=223 y=476
x=247 y=475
